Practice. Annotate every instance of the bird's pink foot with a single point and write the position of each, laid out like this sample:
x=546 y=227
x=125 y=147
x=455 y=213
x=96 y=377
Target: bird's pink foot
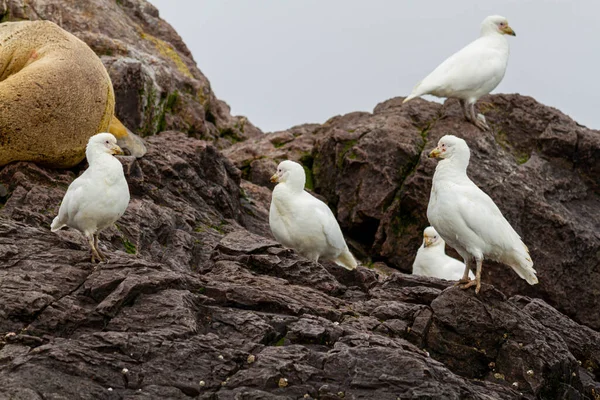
x=462 y=281
x=469 y=284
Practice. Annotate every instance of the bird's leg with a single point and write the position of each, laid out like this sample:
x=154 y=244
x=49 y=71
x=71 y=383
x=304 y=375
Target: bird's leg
x=481 y=124
x=477 y=281
x=100 y=254
x=90 y=239
x=465 y=110
x=465 y=278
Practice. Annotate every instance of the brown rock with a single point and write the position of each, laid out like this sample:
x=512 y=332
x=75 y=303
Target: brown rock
x=190 y=294
x=539 y=166
x=156 y=82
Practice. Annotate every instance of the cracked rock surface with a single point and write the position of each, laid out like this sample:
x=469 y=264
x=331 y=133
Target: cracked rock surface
x=539 y=166
x=199 y=301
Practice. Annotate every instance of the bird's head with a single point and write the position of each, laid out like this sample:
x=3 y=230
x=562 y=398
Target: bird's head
x=450 y=146
x=431 y=237
x=290 y=172
x=104 y=143
x=496 y=24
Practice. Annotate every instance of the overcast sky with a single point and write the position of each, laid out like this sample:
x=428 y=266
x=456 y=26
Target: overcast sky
x=286 y=62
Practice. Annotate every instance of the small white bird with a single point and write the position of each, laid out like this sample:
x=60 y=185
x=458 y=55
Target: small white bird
x=469 y=220
x=304 y=223
x=97 y=198
x=431 y=259
x=472 y=72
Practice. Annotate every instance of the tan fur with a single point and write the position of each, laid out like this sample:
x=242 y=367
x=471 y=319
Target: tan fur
x=54 y=94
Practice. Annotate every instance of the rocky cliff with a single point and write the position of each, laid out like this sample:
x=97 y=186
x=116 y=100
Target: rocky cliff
x=199 y=301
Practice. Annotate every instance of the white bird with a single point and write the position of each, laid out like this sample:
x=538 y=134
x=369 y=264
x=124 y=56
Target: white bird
x=97 y=198
x=304 y=223
x=469 y=220
x=472 y=72
x=431 y=259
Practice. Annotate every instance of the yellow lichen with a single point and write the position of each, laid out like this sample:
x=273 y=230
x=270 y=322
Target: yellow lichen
x=166 y=50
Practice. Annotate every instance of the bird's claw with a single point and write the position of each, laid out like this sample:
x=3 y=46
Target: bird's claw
x=462 y=281
x=470 y=284
x=481 y=123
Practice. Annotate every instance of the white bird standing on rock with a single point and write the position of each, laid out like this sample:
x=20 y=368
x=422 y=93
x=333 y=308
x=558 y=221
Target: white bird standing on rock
x=469 y=220
x=99 y=197
x=472 y=72
x=304 y=223
x=431 y=259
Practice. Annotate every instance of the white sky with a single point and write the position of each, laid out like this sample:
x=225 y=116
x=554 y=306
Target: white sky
x=286 y=62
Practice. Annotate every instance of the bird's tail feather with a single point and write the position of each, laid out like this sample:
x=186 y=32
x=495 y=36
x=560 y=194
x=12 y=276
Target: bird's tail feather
x=410 y=97
x=56 y=224
x=522 y=264
x=415 y=93
x=346 y=260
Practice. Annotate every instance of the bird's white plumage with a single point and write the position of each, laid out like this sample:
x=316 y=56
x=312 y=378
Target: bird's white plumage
x=302 y=222
x=99 y=197
x=467 y=218
x=473 y=71
x=432 y=261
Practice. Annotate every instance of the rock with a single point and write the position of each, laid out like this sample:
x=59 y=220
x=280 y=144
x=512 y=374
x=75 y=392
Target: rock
x=195 y=287
x=54 y=94
x=539 y=167
x=156 y=82
x=258 y=157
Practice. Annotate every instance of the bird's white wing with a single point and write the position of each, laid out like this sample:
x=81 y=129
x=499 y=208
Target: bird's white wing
x=484 y=218
x=329 y=223
x=465 y=71
x=72 y=197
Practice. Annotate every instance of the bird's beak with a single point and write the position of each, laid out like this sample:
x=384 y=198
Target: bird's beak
x=116 y=150
x=435 y=153
x=274 y=178
x=508 y=31
x=427 y=242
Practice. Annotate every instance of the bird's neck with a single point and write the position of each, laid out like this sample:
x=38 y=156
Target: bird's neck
x=94 y=156
x=436 y=248
x=284 y=198
x=294 y=184
x=453 y=166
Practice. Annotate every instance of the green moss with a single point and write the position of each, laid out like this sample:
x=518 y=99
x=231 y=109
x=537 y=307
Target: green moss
x=218 y=228
x=502 y=139
x=309 y=178
x=169 y=104
x=229 y=134
x=522 y=158
x=280 y=342
x=402 y=222
x=129 y=247
x=346 y=146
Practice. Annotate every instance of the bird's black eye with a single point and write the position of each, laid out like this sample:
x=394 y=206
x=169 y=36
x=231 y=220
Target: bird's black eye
x=107 y=142
x=435 y=237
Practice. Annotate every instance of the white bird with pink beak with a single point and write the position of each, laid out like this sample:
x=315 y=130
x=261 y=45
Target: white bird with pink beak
x=473 y=71
x=304 y=223
x=432 y=261
x=469 y=220
x=99 y=197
